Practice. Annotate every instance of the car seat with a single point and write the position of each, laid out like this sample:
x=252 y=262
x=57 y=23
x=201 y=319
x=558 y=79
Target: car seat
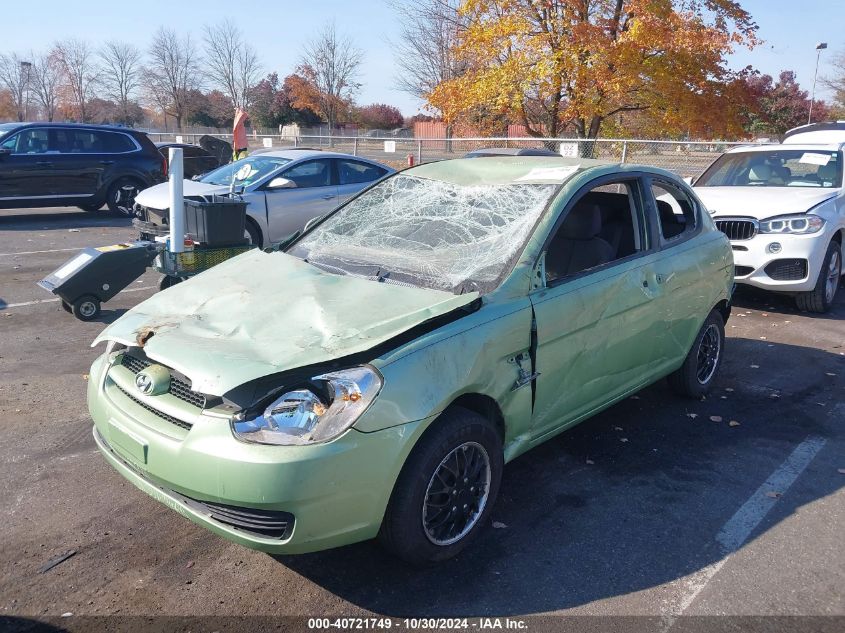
x=577 y=246
x=827 y=174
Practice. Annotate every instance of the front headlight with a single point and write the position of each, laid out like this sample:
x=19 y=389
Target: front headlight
x=313 y=413
x=798 y=224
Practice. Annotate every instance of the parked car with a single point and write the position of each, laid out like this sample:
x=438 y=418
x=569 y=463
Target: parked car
x=783 y=208
x=373 y=377
x=510 y=151
x=68 y=164
x=196 y=161
x=284 y=189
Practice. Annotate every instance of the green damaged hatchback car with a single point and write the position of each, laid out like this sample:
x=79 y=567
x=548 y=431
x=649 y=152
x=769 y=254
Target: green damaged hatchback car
x=373 y=376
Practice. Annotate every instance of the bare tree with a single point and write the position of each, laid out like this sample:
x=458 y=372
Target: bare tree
x=81 y=72
x=231 y=63
x=121 y=74
x=425 y=49
x=46 y=80
x=173 y=71
x=331 y=63
x=836 y=81
x=15 y=75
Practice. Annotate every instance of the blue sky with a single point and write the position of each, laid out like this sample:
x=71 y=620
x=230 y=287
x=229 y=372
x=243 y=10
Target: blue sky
x=279 y=28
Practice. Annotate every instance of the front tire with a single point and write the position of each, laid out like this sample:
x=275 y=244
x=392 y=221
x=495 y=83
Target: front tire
x=252 y=233
x=446 y=490
x=91 y=208
x=121 y=196
x=820 y=299
x=696 y=376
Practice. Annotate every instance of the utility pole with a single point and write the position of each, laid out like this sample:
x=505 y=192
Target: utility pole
x=819 y=48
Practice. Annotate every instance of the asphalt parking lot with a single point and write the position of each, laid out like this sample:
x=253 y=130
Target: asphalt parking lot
x=659 y=507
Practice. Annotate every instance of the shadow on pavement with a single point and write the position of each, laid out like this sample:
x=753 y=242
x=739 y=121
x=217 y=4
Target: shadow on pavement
x=751 y=298
x=645 y=511
x=22 y=220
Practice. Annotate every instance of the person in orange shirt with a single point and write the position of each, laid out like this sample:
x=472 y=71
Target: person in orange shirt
x=239 y=142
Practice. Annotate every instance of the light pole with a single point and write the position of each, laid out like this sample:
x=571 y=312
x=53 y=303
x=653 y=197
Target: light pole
x=819 y=48
x=25 y=68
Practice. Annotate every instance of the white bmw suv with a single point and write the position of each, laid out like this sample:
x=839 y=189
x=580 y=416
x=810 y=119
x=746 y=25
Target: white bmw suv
x=783 y=208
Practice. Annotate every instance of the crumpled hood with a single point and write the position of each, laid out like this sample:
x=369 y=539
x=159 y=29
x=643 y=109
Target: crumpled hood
x=262 y=313
x=761 y=202
x=158 y=196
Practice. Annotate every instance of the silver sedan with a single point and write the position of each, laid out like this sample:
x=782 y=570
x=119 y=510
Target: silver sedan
x=284 y=189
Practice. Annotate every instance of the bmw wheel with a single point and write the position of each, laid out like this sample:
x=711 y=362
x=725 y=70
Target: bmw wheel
x=446 y=490
x=820 y=298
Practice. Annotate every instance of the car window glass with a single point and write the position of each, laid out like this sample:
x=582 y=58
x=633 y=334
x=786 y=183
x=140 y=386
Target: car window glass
x=114 y=142
x=775 y=168
x=33 y=141
x=193 y=152
x=351 y=172
x=313 y=173
x=601 y=227
x=675 y=210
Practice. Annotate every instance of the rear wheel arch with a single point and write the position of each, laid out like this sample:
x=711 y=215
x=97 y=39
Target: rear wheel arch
x=723 y=308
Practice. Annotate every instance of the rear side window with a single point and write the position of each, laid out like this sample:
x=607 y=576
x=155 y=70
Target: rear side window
x=193 y=152
x=352 y=172
x=676 y=211
x=69 y=141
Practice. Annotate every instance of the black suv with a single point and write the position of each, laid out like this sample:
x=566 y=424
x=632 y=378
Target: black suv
x=69 y=164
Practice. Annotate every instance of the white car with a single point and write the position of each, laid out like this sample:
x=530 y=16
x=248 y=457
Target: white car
x=783 y=208
x=284 y=189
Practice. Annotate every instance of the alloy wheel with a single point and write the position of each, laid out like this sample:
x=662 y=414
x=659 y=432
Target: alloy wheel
x=456 y=494
x=708 y=354
x=834 y=270
x=124 y=198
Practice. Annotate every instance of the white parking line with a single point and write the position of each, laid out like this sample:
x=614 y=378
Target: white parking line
x=739 y=527
x=55 y=250
x=37 y=301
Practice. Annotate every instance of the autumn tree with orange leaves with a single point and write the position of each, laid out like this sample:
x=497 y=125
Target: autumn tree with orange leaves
x=554 y=65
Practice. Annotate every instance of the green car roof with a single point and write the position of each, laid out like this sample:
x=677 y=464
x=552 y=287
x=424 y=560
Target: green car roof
x=504 y=170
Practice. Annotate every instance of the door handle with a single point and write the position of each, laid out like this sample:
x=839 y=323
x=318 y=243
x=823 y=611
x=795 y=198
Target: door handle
x=659 y=278
x=44 y=163
x=328 y=197
x=107 y=162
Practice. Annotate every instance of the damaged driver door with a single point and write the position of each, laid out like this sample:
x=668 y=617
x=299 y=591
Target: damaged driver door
x=596 y=325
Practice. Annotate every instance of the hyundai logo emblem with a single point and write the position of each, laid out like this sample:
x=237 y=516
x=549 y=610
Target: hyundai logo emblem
x=144 y=383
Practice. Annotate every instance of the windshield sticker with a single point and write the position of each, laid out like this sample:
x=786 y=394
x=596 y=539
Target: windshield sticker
x=245 y=172
x=548 y=174
x=815 y=159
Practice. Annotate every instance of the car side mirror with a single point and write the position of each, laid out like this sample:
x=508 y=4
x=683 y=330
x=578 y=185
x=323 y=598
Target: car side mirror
x=4 y=151
x=281 y=183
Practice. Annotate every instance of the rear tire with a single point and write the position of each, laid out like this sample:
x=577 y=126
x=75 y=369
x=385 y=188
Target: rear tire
x=696 y=376
x=820 y=299
x=458 y=460
x=121 y=195
x=86 y=308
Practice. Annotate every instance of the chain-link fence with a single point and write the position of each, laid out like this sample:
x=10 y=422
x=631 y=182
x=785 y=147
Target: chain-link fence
x=685 y=158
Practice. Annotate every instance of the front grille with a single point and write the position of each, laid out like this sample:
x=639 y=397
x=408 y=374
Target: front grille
x=272 y=523
x=787 y=269
x=168 y=418
x=178 y=387
x=742 y=271
x=737 y=229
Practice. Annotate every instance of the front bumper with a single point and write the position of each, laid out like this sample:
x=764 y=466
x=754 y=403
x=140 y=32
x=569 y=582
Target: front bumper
x=336 y=492
x=751 y=259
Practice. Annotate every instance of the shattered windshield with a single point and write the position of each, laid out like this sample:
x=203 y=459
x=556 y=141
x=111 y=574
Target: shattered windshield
x=775 y=168
x=429 y=232
x=245 y=171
